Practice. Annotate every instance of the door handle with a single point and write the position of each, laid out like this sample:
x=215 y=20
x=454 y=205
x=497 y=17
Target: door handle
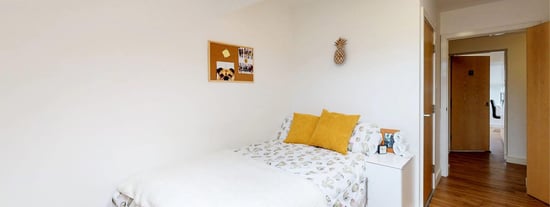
x=427 y=115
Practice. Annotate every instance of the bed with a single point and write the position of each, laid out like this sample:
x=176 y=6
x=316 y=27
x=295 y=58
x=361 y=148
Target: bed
x=272 y=173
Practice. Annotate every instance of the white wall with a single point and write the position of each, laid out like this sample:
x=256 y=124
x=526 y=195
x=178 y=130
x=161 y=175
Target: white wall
x=431 y=12
x=92 y=92
x=499 y=16
x=381 y=76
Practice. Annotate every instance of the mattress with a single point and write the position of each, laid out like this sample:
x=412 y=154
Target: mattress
x=339 y=180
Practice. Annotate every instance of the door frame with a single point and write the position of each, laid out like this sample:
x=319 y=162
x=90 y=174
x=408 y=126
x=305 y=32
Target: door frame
x=425 y=19
x=444 y=78
x=505 y=112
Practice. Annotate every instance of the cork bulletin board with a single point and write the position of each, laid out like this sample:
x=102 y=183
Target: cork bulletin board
x=230 y=63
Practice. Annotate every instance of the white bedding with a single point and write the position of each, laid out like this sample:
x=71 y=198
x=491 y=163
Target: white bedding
x=224 y=179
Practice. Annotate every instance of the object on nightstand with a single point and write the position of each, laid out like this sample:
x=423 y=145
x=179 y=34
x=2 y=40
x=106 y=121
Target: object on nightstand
x=382 y=149
x=388 y=139
x=400 y=146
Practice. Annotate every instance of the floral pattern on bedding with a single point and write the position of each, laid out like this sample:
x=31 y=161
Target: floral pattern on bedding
x=341 y=178
x=364 y=138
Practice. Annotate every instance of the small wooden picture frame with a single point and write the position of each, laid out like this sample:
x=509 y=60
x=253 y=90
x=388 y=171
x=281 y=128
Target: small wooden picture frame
x=387 y=138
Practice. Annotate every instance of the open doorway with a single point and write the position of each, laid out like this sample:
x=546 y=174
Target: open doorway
x=497 y=96
x=478 y=101
x=492 y=177
x=514 y=110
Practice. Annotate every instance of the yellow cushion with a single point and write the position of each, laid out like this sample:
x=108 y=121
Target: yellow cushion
x=333 y=131
x=301 y=128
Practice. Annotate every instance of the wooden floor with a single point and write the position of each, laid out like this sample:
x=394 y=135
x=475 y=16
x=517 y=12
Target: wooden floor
x=483 y=179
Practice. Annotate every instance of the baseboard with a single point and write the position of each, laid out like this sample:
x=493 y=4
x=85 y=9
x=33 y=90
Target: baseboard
x=445 y=170
x=516 y=160
x=469 y=151
x=437 y=177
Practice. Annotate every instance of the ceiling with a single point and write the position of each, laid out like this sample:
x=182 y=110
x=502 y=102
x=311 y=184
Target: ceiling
x=447 y=5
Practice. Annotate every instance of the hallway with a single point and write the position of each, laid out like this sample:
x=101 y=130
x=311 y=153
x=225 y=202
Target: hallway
x=483 y=179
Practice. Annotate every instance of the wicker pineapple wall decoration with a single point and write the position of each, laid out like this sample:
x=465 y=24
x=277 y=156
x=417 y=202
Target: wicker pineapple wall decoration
x=340 y=54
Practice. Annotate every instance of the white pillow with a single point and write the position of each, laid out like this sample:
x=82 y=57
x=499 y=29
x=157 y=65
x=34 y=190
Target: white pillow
x=282 y=132
x=365 y=138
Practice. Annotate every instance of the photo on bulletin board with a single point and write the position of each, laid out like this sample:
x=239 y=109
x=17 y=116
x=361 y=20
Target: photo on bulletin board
x=230 y=63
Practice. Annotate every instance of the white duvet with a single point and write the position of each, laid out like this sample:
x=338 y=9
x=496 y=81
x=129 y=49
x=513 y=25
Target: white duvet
x=224 y=179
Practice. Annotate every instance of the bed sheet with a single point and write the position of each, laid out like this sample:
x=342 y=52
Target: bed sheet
x=223 y=178
x=341 y=178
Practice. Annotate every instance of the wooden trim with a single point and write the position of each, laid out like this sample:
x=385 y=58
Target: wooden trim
x=538 y=112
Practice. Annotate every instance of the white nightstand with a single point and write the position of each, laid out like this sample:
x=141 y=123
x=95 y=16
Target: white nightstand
x=390 y=181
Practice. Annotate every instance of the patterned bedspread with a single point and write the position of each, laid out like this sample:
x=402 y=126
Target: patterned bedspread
x=341 y=178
